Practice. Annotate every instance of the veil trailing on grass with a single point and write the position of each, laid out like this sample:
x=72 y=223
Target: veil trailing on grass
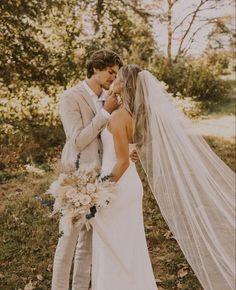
x=193 y=187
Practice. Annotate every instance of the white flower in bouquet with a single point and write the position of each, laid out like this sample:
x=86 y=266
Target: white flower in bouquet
x=83 y=190
x=94 y=195
x=71 y=193
x=79 y=195
x=91 y=187
x=85 y=199
x=77 y=204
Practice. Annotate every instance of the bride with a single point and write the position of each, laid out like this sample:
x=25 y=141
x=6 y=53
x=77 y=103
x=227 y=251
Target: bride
x=123 y=263
x=192 y=186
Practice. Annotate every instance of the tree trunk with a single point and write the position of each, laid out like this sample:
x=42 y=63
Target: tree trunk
x=169 y=17
x=99 y=13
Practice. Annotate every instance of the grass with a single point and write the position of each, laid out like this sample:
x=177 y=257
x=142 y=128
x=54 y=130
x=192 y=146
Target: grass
x=29 y=236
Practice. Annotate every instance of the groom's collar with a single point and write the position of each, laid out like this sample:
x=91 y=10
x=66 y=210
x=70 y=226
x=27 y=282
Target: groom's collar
x=92 y=94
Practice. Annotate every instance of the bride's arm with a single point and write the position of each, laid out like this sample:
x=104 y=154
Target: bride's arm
x=119 y=131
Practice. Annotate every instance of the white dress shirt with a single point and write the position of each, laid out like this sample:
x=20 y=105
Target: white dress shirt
x=98 y=101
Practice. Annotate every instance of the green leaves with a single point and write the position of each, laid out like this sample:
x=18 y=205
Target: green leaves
x=39 y=39
x=31 y=46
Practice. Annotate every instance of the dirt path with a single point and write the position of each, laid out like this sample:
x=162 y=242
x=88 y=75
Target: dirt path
x=224 y=126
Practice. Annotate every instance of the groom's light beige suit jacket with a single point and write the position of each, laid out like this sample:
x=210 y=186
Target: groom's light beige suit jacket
x=82 y=125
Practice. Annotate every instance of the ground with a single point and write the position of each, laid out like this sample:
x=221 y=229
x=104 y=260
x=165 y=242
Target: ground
x=29 y=236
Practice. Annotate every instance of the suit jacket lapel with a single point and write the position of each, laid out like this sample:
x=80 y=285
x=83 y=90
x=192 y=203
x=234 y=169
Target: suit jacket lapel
x=88 y=99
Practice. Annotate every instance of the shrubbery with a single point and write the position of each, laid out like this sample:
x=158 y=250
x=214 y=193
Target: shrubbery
x=192 y=78
x=31 y=131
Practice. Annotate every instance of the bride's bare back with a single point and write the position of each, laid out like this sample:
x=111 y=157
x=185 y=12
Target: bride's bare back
x=121 y=127
x=121 y=121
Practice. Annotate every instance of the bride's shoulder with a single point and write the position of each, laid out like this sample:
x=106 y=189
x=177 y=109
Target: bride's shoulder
x=120 y=114
x=121 y=123
x=119 y=117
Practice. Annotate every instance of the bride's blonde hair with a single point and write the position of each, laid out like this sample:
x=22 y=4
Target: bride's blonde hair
x=133 y=100
x=128 y=74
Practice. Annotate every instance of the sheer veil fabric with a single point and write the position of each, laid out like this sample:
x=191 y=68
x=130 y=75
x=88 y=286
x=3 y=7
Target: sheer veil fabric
x=193 y=187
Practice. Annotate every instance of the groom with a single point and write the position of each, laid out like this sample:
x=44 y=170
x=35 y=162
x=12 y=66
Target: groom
x=84 y=112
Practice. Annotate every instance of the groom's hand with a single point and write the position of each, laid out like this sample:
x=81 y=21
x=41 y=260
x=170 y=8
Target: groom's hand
x=134 y=156
x=111 y=102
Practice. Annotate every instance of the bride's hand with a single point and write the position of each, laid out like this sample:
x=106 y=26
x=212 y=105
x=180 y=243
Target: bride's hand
x=134 y=156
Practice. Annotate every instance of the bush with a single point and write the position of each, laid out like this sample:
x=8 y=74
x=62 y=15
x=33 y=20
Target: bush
x=29 y=144
x=191 y=79
x=30 y=129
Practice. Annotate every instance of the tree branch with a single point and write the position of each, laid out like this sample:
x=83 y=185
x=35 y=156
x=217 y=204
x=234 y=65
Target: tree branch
x=190 y=41
x=189 y=14
x=195 y=13
x=141 y=12
x=181 y=23
x=173 y=3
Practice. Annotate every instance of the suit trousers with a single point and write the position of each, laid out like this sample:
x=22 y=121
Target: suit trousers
x=78 y=245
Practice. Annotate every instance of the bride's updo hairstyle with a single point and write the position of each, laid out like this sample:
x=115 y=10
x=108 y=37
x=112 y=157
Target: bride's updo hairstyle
x=128 y=74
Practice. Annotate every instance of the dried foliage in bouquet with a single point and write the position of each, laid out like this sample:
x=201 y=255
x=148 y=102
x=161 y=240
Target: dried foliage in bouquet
x=78 y=196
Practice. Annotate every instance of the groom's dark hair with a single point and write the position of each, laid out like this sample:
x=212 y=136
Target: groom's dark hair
x=102 y=59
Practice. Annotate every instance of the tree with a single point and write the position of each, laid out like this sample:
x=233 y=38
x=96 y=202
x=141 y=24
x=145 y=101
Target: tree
x=28 y=51
x=220 y=50
x=184 y=28
x=40 y=39
x=45 y=45
x=120 y=25
x=222 y=35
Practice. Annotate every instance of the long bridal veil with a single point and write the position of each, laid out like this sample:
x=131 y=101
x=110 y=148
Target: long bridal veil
x=193 y=187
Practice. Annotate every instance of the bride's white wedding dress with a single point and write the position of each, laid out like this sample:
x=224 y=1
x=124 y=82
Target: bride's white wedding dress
x=121 y=261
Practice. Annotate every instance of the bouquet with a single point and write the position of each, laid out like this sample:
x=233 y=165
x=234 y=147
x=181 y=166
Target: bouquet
x=79 y=195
